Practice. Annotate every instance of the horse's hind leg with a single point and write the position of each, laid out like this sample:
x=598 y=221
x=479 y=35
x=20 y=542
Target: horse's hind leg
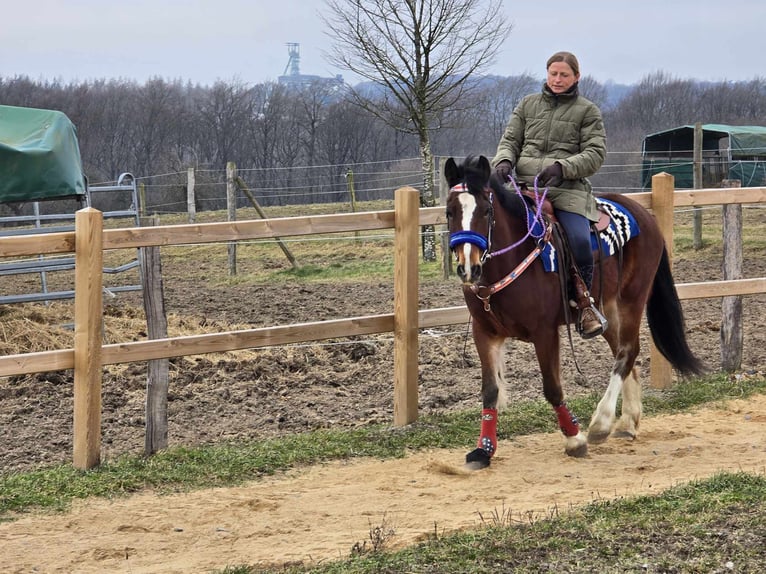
x=625 y=381
x=627 y=426
x=490 y=349
x=622 y=337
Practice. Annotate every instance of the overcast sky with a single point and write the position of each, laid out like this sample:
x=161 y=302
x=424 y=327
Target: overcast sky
x=206 y=40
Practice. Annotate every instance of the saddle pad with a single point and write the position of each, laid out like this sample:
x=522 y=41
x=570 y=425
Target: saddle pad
x=622 y=227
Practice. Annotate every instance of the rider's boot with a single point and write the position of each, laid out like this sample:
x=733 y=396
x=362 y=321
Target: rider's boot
x=590 y=322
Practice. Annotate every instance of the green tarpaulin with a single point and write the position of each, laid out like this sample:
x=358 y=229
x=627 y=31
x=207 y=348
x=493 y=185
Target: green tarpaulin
x=39 y=155
x=671 y=151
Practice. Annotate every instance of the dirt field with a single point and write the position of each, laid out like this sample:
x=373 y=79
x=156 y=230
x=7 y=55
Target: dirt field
x=303 y=387
x=320 y=513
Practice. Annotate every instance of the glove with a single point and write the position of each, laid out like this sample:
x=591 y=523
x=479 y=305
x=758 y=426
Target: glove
x=551 y=176
x=503 y=170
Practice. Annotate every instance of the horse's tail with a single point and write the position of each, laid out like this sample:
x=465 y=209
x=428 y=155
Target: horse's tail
x=666 y=322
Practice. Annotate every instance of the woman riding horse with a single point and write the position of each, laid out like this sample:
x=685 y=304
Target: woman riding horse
x=499 y=239
x=556 y=139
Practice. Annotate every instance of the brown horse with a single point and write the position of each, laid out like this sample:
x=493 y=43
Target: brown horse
x=499 y=239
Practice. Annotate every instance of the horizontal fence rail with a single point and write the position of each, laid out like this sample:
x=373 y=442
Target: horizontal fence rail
x=87 y=357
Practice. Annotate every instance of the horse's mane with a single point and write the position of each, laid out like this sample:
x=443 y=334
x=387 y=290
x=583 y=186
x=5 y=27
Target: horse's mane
x=476 y=181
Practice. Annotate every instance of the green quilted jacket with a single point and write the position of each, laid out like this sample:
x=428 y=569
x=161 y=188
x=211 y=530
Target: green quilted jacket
x=545 y=128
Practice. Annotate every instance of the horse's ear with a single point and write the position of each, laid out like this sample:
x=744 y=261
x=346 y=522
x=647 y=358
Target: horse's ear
x=484 y=167
x=451 y=172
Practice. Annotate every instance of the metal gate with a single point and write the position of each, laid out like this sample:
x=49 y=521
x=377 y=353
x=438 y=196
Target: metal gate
x=52 y=223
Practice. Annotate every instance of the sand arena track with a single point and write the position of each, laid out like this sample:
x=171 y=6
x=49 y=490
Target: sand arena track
x=319 y=513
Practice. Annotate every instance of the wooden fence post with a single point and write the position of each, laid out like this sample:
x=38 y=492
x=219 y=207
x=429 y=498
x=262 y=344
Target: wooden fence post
x=88 y=319
x=191 y=202
x=231 y=204
x=156 y=436
x=697 y=184
x=141 y=198
x=352 y=194
x=731 y=307
x=406 y=248
x=661 y=372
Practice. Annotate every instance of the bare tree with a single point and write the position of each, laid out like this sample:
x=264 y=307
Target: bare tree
x=224 y=113
x=657 y=102
x=478 y=128
x=156 y=113
x=421 y=53
x=590 y=88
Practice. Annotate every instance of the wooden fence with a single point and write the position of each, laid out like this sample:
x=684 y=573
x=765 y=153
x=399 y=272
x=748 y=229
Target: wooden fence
x=89 y=240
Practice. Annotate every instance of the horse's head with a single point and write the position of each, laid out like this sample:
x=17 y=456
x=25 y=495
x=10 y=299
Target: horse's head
x=469 y=214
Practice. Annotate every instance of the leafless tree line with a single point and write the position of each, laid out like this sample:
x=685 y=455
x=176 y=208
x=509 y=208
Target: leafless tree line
x=308 y=140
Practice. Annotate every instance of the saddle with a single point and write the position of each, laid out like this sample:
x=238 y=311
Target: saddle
x=604 y=219
x=615 y=226
x=573 y=286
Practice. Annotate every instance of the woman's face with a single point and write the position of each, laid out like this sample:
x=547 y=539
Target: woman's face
x=561 y=77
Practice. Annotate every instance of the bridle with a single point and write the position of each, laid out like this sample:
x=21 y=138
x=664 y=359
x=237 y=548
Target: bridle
x=538 y=228
x=471 y=236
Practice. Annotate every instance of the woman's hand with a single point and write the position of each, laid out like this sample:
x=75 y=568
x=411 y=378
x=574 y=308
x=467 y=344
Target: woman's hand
x=503 y=170
x=551 y=176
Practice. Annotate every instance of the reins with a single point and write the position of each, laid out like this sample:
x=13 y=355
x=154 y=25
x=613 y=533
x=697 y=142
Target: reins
x=537 y=219
x=507 y=280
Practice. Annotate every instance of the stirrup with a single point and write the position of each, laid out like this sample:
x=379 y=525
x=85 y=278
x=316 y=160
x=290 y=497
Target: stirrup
x=603 y=323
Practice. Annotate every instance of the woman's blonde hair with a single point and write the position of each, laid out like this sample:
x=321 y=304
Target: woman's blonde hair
x=568 y=58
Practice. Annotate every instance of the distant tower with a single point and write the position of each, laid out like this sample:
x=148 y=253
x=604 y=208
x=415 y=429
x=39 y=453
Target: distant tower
x=294 y=63
x=293 y=79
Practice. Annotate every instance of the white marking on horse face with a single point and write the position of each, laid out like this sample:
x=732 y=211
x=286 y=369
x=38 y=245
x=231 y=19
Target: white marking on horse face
x=468 y=206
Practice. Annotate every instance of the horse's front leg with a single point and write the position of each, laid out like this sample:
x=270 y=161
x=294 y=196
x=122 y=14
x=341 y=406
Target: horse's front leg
x=548 y=357
x=490 y=349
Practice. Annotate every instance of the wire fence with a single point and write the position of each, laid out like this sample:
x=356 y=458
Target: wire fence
x=167 y=193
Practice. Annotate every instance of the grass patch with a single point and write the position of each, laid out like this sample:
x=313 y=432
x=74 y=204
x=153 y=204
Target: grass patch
x=711 y=232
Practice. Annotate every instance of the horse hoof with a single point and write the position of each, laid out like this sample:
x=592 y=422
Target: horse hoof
x=580 y=451
x=597 y=437
x=477 y=459
x=623 y=434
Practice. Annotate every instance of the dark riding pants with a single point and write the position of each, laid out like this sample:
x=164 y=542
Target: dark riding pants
x=577 y=229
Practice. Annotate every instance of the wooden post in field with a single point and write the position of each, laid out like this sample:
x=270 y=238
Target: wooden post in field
x=156 y=437
x=88 y=317
x=141 y=198
x=352 y=193
x=243 y=186
x=661 y=372
x=191 y=202
x=351 y=189
x=731 y=307
x=231 y=204
x=406 y=249
x=697 y=183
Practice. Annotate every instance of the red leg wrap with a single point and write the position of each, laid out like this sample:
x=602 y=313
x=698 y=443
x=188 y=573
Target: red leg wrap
x=568 y=423
x=488 y=436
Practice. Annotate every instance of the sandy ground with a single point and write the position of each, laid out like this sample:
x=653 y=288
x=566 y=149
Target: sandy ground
x=318 y=514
